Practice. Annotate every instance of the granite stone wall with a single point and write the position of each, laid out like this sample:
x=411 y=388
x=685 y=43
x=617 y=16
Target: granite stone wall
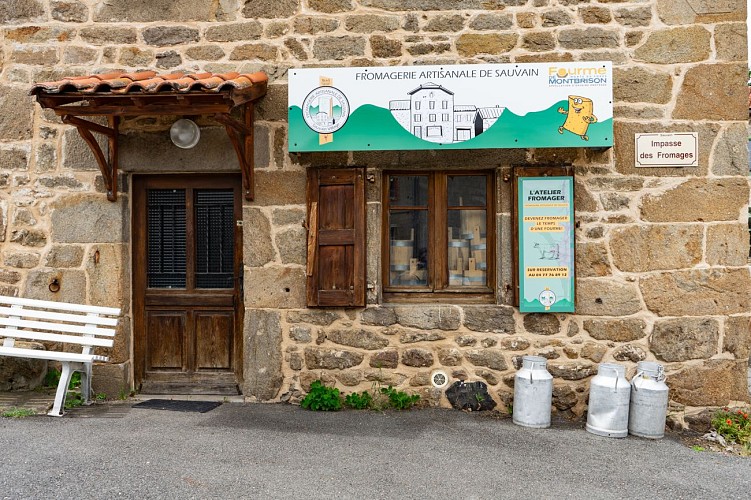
x=662 y=253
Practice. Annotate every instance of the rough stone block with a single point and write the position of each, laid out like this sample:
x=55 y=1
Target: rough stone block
x=634 y=17
x=72 y=286
x=369 y=23
x=592 y=260
x=727 y=245
x=698 y=200
x=135 y=57
x=730 y=154
x=108 y=270
x=421 y=5
x=472 y=396
x=737 y=337
x=16 y=111
x=280 y=188
x=22 y=373
x=388 y=358
x=21 y=260
x=473 y=44
x=76 y=153
x=572 y=370
x=714 y=383
x=103 y=35
x=729 y=41
x=313 y=316
x=493 y=22
x=69 y=11
x=381 y=46
x=676 y=45
x=439 y=317
x=292 y=245
x=84 y=218
x=317 y=358
x=588 y=38
x=234 y=32
x=21 y=11
x=498 y=319
x=412 y=336
x=262 y=354
x=169 y=35
x=111 y=379
x=275 y=287
x=656 y=247
x=542 y=323
x=683 y=339
x=606 y=297
x=270 y=9
x=539 y=41
x=363 y=339
x=702 y=292
x=490 y=358
x=262 y=51
x=705 y=86
x=331 y=6
x=257 y=248
x=629 y=352
x=417 y=357
x=145 y=11
x=338 y=48
x=616 y=330
x=14 y=159
x=380 y=316
x=637 y=84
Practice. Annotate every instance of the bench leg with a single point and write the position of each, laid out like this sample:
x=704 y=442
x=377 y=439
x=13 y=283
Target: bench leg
x=58 y=408
x=86 y=383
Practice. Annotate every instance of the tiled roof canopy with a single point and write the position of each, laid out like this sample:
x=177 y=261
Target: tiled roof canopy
x=119 y=94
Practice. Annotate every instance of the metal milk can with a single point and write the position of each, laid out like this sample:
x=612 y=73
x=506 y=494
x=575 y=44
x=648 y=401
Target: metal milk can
x=609 y=395
x=533 y=393
x=649 y=401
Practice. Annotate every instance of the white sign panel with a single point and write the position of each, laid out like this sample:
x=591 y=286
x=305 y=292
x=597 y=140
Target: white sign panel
x=667 y=150
x=566 y=104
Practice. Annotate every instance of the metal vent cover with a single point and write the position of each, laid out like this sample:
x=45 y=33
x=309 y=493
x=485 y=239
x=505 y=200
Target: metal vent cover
x=439 y=379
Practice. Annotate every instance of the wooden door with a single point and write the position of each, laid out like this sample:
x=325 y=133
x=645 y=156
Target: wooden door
x=187 y=275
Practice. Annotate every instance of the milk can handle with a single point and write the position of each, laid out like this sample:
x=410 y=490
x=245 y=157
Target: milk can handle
x=638 y=374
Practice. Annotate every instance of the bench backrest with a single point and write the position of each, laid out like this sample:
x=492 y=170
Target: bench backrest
x=46 y=321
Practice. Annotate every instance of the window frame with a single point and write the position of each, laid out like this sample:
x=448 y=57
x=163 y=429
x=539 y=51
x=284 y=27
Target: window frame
x=438 y=288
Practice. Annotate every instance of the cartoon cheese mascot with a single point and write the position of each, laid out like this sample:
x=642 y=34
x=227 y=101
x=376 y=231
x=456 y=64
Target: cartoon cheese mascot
x=578 y=117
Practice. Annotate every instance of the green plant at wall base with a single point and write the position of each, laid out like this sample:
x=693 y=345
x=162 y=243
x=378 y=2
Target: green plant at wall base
x=52 y=378
x=734 y=425
x=18 y=412
x=322 y=398
x=399 y=400
x=73 y=400
x=359 y=400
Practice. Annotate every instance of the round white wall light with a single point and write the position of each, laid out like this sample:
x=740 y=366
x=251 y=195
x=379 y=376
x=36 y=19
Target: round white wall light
x=439 y=379
x=184 y=133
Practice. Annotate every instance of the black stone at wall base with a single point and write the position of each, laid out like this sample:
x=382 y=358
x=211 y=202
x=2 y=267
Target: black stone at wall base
x=472 y=396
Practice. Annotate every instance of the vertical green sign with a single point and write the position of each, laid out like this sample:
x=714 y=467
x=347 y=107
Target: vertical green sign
x=546 y=244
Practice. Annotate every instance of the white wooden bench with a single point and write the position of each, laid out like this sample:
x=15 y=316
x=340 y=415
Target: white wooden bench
x=84 y=327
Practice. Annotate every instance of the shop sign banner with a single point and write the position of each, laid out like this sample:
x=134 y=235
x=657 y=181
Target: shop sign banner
x=546 y=244
x=476 y=106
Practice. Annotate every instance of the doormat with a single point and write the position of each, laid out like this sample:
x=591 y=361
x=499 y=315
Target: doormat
x=173 y=405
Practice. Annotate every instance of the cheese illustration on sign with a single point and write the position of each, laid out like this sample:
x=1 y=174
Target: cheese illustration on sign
x=579 y=116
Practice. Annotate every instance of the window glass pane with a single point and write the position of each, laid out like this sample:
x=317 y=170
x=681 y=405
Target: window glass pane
x=166 y=239
x=408 y=190
x=467 y=248
x=215 y=251
x=466 y=190
x=408 y=248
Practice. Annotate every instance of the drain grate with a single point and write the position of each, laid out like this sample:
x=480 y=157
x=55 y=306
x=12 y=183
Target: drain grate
x=173 y=405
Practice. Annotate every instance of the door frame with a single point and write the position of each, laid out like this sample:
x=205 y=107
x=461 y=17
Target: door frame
x=141 y=182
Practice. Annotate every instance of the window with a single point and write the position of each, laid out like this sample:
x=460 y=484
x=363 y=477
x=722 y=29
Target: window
x=435 y=131
x=431 y=104
x=417 y=104
x=445 y=105
x=445 y=117
x=439 y=228
x=431 y=117
x=418 y=118
x=417 y=132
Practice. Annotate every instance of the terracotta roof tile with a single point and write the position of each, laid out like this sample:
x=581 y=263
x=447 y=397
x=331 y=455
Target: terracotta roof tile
x=149 y=82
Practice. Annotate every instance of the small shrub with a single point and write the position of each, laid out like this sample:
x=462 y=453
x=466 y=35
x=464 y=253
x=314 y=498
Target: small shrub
x=73 y=400
x=18 y=412
x=359 y=400
x=734 y=426
x=322 y=398
x=52 y=378
x=399 y=400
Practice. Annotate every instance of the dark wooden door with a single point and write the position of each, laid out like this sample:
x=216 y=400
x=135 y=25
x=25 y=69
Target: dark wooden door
x=187 y=275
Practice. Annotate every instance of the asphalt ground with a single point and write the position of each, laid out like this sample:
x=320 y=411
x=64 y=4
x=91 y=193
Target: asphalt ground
x=281 y=451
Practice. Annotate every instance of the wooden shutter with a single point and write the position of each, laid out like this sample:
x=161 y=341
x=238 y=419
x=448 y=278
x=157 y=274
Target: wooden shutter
x=336 y=237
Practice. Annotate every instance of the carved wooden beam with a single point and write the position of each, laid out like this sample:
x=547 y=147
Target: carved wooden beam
x=108 y=166
x=241 y=136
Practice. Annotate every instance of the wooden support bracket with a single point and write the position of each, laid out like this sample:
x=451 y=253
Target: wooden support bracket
x=241 y=136
x=108 y=165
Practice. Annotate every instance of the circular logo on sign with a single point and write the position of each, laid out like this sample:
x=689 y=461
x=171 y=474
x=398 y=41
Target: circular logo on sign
x=325 y=110
x=547 y=298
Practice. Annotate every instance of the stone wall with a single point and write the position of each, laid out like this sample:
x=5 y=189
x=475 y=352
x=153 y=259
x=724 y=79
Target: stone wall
x=661 y=253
